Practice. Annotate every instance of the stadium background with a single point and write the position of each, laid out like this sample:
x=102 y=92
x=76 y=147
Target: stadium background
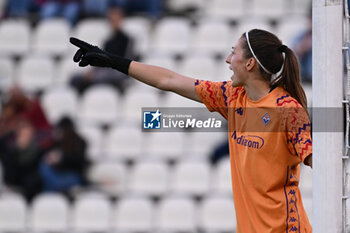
x=140 y=182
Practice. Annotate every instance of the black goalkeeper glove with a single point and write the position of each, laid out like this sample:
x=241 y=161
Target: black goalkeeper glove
x=88 y=54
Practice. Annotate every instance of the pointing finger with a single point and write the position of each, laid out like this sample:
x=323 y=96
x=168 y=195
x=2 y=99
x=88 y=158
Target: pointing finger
x=79 y=43
x=83 y=63
x=78 y=55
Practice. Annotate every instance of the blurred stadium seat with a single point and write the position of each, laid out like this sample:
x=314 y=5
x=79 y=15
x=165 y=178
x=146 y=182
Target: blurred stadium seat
x=91 y=214
x=226 y=9
x=7 y=73
x=139 y=29
x=133 y=214
x=51 y=37
x=172 y=100
x=176 y=214
x=95 y=140
x=133 y=103
x=59 y=102
x=32 y=79
x=99 y=105
x=217 y=214
x=149 y=177
x=250 y=23
x=164 y=61
x=203 y=143
x=221 y=177
x=301 y=7
x=290 y=27
x=109 y=177
x=50 y=213
x=191 y=177
x=198 y=66
x=269 y=9
x=66 y=69
x=124 y=143
x=171 y=36
x=95 y=31
x=184 y=5
x=164 y=145
x=13 y=213
x=15 y=35
x=212 y=37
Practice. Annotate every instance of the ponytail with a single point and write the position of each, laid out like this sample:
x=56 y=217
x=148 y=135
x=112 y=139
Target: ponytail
x=289 y=79
x=268 y=51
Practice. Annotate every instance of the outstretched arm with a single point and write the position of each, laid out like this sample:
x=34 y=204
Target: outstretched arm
x=155 y=76
x=164 y=79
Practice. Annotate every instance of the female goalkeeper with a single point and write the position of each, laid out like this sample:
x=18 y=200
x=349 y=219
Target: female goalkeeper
x=268 y=138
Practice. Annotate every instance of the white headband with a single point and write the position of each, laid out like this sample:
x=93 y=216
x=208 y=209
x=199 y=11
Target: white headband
x=251 y=50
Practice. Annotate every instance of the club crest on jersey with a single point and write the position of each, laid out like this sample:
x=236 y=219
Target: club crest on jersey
x=239 y=111
x=266 y=119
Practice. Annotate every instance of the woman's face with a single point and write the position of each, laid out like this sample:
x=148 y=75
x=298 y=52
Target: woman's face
x=237 y=64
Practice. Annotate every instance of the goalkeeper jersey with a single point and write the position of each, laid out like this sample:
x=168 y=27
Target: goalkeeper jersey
x=268 y=139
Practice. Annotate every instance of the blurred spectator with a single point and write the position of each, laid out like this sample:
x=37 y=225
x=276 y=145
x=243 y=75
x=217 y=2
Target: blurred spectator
x=68 y=9
x=95 y=8
x=303 y=48
x=21 y=8
x=119 y=43
x=152 y=8
x=64 y=166
x=25 y=134
x=20 y=161
x=18 y=108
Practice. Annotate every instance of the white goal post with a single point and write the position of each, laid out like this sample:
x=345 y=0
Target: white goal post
x=327 y=94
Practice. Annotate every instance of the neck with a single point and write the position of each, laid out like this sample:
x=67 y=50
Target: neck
x=257 y=89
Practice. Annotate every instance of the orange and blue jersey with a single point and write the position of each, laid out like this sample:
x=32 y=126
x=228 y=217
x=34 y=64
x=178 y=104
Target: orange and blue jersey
x=268 y=139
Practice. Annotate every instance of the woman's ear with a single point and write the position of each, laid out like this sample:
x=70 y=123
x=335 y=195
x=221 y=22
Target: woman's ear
x=250 y=64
